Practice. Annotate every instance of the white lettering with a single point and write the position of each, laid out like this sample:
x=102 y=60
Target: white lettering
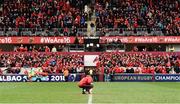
x=55 y=40
x=146 y=40
x=6 y=40
x=18 y=78
x=8 y=78
x=173 y=78
x=172 y=39
x=13 y=78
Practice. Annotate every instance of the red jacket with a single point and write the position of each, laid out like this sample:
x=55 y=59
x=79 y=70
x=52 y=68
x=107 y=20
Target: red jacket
x=85 y=81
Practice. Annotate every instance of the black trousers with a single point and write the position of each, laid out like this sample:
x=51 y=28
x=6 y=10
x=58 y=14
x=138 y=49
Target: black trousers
x=66 y=78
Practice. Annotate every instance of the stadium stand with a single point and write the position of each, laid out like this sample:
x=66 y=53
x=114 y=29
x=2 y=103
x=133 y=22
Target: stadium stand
x=140 y=62
x=13 y=63
x=38 y=16
x=55 y=63
x=159 y=16
x=63 y=17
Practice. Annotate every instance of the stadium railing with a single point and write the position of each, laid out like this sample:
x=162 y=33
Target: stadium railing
x=129 y=32
x=80 y=32
x=42 y=32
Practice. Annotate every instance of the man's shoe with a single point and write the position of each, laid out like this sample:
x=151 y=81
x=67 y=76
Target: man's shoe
x=90 y=91
x=83 y=91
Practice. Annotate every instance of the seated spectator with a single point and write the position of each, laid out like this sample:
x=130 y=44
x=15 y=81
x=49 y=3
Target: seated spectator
x=141 y=62
x=41 y=14
x=54 y=49
x=49 y=62
x=153 y=15
x=133 y=14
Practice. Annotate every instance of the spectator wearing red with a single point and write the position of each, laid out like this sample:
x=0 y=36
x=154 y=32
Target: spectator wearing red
x=21 y=48
x=26 y=49
x=47 y=49
x=152 y=70
x=144 y=70
x=137 y=70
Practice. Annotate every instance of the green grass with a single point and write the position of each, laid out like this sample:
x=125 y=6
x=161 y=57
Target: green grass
x=122 y=92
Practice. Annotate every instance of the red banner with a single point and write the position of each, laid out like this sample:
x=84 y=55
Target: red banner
x=71 y=40
x=39 y=40
x=142 y=39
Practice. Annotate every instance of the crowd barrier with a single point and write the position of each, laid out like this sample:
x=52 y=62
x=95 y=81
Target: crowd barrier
x=112 y=78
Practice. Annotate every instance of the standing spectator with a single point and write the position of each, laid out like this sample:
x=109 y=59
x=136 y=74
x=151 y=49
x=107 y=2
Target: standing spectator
x=59 y=49
x=30 y=49
x=47 y=49
x=34 y=49
x=25 y=49
x=15 y=48
x=171 y=48
x=106 y=73
x=66 y=74
x=40 y=49
x=21 y=48
x=54 y=49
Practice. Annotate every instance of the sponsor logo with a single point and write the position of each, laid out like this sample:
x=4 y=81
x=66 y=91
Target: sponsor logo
x=9 y=78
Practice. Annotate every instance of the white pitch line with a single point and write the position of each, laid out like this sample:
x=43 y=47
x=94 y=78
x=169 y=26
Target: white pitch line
x=90 y=99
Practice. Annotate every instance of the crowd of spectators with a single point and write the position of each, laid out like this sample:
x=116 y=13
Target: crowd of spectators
x=139 y=63
x=54 y=63
x=133 y=14
x=43 y=13
x=45 y=48
x=50 y=63
x=150 y=15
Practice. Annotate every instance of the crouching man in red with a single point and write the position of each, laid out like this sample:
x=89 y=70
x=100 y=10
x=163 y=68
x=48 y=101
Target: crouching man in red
x=86 y=84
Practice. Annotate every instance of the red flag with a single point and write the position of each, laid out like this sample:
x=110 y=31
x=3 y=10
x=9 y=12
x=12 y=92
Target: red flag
x=96 y=59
